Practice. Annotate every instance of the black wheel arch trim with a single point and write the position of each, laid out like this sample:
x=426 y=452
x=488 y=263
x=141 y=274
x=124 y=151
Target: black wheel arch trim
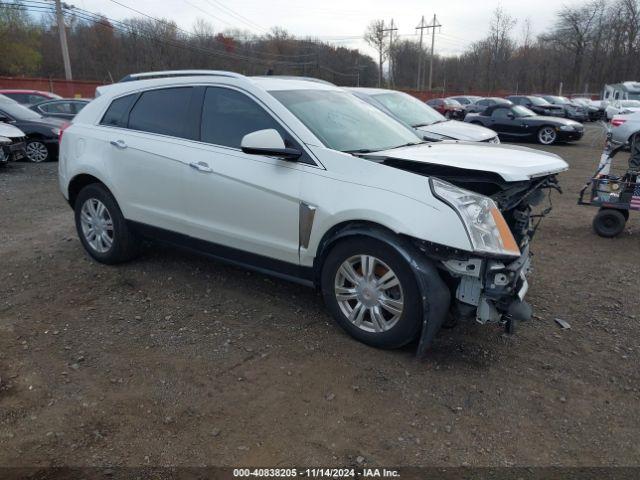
x=436 y=297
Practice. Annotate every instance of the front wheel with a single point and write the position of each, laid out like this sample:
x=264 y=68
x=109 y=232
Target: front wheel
x=372 y=293
x=547 y=135
x=609 y=222
x=101 y=226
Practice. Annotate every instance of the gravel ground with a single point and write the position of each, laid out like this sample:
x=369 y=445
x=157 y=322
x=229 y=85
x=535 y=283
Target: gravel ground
x=175 y=359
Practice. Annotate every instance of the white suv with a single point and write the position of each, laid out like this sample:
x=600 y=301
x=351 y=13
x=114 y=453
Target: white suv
x=300 y=179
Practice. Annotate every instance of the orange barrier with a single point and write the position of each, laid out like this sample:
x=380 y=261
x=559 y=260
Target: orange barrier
x=64 y=88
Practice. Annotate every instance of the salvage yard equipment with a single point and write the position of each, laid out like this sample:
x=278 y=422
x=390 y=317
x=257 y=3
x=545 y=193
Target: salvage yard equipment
x=614 y=193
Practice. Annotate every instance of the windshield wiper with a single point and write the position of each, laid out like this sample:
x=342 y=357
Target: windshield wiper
x=359 y=150
x=418 y=125
x=410 y=144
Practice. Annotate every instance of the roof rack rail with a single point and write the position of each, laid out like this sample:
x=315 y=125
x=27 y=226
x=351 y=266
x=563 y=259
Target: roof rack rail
x=178 y=73
x=296 y=77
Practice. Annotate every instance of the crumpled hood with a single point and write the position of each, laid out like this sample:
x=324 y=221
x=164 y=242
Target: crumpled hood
x=512 y=163
x=459 y=131
x=10 y=131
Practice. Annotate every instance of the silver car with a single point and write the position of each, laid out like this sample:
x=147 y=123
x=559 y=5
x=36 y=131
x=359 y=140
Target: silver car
x=622 y=127
x=424 y=120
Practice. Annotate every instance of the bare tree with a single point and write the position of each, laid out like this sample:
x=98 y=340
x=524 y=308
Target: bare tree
x=375 y=37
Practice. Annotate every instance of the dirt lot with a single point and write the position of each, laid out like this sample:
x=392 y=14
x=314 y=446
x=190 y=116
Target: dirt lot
x=178 y=360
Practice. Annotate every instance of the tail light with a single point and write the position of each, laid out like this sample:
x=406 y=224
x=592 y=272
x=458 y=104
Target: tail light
x=62 y=129
x=616 y=122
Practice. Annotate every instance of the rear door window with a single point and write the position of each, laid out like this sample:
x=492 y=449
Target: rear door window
x=163 y=111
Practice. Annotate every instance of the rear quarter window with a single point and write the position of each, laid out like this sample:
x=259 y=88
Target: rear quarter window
x=115 y=115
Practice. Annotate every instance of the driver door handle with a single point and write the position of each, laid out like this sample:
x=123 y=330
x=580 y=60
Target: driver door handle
x=201 y=167
x=119 y=144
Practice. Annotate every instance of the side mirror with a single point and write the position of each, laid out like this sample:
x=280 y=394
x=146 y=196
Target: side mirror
x=268 y=142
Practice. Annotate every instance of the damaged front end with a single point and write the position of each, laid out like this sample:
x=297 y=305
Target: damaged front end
x=490 y=285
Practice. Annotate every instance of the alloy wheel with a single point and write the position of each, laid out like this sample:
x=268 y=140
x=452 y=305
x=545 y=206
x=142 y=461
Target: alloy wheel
x=37 y=152
x=97 y=225
x=369 y=293
x=547 y=135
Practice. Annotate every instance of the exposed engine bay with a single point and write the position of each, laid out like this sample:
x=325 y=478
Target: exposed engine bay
x=491 y=290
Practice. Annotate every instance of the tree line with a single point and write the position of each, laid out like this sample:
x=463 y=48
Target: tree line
x=105 y=49
x=590 y=43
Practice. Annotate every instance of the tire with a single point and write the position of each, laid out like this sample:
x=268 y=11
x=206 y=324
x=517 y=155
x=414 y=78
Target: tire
x=390 y=330
x=609 y=222
x=96 y=210
x=37 y=151
x=547 y=135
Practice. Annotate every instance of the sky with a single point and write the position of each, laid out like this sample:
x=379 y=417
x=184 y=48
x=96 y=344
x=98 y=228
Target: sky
x=341 y=22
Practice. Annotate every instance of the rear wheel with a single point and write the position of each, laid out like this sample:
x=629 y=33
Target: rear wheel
x=609 y=222
x=372 y=292
x=547 y=135
x=37 y=151
x=101 y=226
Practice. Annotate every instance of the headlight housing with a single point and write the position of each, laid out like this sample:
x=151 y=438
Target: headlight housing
x=567 y=128
x=485 y=225
x=55 y=131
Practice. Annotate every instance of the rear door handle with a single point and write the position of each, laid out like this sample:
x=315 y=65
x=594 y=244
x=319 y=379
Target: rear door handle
x=201 y=167
x=119 y=144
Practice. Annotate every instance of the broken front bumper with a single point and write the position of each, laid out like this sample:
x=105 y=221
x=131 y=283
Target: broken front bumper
x=493 y=288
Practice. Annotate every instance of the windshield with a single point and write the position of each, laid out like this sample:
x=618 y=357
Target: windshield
x=345 y=123
x=409 y=109
x=18 y=111
x=538 y=101
x=521 y=111
x=451 y=102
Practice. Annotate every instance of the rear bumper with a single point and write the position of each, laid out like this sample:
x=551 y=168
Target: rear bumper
x=565 y=136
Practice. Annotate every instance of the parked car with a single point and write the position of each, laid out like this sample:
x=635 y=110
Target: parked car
x=480 y=105
x=515 y=122
x=65 y=108
x=621 y=107
x=305 y=181
x=28 y=97
x=572 y=110
x=622 y=127
x=12 y=143
x=595 y=110
x=465 y=100
x=537 y=104
x=447 y=107
x=424 y=120
x=42 y=132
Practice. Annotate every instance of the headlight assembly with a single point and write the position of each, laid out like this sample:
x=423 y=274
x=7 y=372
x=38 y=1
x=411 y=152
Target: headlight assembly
x=55 y=131
x=567 y=128
x=487 y=229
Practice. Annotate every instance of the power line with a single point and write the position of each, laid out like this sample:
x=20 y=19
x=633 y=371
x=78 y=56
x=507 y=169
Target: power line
x=190 y=34
x=237 y=15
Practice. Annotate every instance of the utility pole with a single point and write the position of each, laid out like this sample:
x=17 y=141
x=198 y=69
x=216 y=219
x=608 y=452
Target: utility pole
x=391 y=29
x=63 y=41
x=420 y=27
x=433 y=25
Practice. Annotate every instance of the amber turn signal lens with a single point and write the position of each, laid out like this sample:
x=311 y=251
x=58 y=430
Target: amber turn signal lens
x=508 y=242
